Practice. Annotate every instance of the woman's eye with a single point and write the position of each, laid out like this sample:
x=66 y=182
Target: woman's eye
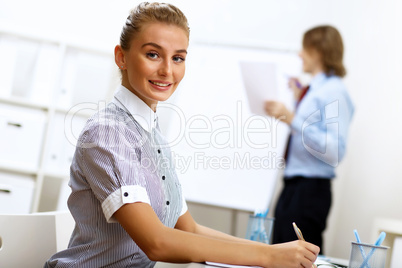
x=152 y=55
x=178 y=59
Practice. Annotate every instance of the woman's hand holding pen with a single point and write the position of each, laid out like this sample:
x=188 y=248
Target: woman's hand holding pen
x=295 y=85
x=300 y=237
x=293 y=254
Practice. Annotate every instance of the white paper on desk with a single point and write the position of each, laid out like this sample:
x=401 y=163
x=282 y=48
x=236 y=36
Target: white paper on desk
x=228 y=265
x=322 y=263
x=259 y=79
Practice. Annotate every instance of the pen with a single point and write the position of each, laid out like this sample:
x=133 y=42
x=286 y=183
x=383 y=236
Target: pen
x=380 y=239
x=377 y=243
x=300 y=237
x=298 y=85
x=298 y=232
x=259 y=233
x=360 y=247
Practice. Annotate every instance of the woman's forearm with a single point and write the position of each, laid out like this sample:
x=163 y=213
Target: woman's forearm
x=181 y=246
x=203 y=230
x=190 y=242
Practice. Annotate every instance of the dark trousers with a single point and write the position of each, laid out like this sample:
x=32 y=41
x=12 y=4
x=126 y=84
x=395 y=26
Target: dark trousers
x=305 y=201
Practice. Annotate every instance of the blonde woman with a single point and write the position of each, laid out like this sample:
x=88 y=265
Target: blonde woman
x=130 y=211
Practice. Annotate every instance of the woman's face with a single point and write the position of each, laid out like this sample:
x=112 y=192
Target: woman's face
x=312 y=62
x=155 y=63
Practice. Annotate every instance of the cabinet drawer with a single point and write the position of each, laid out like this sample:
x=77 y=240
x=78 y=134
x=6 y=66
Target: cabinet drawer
x=21 y=136
x=16 y=192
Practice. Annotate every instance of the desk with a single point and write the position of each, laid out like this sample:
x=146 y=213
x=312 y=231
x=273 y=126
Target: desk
x=341 y=262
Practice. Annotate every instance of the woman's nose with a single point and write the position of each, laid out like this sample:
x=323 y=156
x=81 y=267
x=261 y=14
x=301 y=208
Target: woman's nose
x=165 y=69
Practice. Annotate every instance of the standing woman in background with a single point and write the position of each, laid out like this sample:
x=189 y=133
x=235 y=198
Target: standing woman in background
x=126 y=199
x=319 y=128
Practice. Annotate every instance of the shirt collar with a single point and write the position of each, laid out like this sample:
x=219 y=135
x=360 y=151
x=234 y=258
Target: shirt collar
x=318 y=80
x=141 y=112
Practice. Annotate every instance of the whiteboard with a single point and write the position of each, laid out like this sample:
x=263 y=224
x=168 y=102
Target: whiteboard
x=224 y=154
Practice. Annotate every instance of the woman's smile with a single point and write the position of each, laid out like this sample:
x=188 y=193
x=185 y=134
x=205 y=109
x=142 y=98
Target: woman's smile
x=160 y=85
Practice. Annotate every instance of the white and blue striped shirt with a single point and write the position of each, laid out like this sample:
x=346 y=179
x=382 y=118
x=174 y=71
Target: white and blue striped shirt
x=121 y=157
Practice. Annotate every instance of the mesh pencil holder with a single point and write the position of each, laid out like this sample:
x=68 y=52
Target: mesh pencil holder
x=259 y=229
x=367 y=256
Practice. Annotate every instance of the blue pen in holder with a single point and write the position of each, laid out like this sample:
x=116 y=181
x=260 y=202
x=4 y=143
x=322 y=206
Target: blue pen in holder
x=259 y=228
x=367 y=255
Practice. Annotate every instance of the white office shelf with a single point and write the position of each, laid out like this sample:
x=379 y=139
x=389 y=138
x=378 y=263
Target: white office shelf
x=44 y=77
x=56 y=175
x=83 y=113
x=19 y=170
x=23 y=102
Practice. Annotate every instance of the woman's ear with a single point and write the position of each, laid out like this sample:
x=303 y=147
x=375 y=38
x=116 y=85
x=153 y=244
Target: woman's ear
x=119 y=57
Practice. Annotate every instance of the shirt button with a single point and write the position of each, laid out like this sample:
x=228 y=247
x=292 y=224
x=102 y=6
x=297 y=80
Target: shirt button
x=159 y=151
x=163 y=177
x=167 y=203
x=125 y=194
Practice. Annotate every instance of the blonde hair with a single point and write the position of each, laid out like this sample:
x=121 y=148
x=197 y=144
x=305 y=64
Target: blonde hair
x=151 y=12
x=327 y=41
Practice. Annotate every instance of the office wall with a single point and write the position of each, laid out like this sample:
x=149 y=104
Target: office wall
x=368 y=184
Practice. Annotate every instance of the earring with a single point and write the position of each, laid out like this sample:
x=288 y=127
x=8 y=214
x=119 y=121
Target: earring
x=122 y=66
